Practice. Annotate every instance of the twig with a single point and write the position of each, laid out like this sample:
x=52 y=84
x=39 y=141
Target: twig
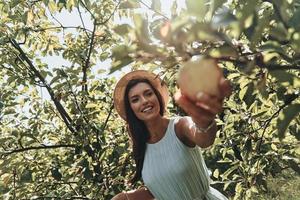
x=87 y=61
x=109 y=17
x=83 y=4
x=159 y=13
x=65 y=116
x=60 y=27
x=106 y=121
x=82 y=22
x=268 y=121
x=39 y=147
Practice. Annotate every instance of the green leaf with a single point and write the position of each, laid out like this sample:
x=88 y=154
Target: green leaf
x=129 y=4
x=223 y=51
x=56 y=174
x=104 y=56
x=284 y=77
x=213 y=6
x=6 y=178
x=174 y=9
x=87 y=173
x=14 y=3
x=122 y=29
x=70 y=4
x=272 y=46
x=156 y=5
x=87 y=4
x=120 y=51
x=223 y=18
x=295 y=19
x=141 y=25
x=197 y=8
x=55 y=79
x=279 y=32
x=119 y=64
x=91 y=105
x=238 y=188
x=26 y=176
x=285 y=117
x=52 y=6
x=248 y=145
x=294 y=165
x=216 y=173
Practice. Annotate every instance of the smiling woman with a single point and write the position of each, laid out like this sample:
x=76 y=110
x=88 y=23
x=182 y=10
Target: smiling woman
x=166 y=150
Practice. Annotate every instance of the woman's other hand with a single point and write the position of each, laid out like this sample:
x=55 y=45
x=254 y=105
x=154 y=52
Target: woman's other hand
x=139 y=194
x=120 y=196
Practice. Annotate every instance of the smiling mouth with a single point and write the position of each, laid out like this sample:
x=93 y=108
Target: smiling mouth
x=147 y=109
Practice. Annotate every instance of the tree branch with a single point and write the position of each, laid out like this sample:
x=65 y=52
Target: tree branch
x=39 y=147
x=106 y=121
x=82 y=22
x=60 y=27
x=67 y=119
x=159 y=13
x=259 y=63
x=83 y=4
x=87 y=61
x=268 y=121
x=109 y=17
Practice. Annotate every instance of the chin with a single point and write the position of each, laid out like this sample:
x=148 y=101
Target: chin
x=149 y=117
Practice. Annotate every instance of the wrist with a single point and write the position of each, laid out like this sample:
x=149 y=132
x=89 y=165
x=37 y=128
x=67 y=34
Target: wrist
x=204 y=129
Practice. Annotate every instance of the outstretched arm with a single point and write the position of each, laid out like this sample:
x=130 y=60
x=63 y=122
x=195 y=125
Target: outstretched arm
x=202 y=112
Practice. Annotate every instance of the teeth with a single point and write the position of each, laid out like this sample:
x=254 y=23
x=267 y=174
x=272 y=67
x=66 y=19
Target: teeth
x=147 y=109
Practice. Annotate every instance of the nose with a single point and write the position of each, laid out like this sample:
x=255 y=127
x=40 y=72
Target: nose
x=144 y=100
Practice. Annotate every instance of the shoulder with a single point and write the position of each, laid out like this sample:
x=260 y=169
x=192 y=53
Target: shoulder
x=182 y=128
x=183 y=123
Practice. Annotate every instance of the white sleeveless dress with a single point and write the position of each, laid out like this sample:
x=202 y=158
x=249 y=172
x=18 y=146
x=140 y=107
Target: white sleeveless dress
x=174 y=171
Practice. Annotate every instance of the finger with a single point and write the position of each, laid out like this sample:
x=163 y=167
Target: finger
x=225 y=88
x=192 y=109
x=209 y=102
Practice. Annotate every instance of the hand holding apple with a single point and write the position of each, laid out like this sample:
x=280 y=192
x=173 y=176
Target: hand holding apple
x=202 y=89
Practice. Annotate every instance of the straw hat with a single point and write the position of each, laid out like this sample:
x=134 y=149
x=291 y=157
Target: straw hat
x=138 y=74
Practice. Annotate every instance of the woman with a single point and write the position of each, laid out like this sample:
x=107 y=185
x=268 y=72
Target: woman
x=166 y=150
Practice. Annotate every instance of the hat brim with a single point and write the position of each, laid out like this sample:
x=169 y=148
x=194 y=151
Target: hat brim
x=120 y=88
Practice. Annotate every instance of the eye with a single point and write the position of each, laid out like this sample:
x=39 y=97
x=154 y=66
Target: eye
x=149 y=93
x=134 y=100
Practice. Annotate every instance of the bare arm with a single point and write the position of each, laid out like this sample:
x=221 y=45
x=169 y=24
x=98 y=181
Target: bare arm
x=138 y=194
x=202 y=112
x=189 y=135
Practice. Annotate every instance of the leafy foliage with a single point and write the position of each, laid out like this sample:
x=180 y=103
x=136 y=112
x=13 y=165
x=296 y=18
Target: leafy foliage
x=73 y=145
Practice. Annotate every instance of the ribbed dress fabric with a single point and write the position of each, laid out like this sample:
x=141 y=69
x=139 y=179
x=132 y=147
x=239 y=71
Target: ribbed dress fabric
x=174 y=171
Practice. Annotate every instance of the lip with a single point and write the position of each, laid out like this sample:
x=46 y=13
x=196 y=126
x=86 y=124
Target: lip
x=147 y=108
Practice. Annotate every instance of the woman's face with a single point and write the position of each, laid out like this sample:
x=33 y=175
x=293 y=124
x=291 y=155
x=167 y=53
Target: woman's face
x=143 y=101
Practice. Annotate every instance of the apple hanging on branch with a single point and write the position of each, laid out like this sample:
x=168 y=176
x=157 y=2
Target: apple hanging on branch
x=199 y=74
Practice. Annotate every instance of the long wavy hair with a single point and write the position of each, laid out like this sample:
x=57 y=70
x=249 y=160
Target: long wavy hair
x=139 y=134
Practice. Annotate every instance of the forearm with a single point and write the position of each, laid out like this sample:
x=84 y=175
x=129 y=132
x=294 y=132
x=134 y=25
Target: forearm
x=204 y=138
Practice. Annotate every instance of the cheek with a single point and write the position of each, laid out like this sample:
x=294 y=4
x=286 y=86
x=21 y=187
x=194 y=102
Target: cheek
x=134 y=107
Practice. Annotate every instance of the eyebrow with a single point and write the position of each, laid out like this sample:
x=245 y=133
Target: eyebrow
x=147 y=90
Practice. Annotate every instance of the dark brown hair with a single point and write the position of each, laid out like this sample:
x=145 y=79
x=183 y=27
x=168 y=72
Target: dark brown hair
x=139 y=133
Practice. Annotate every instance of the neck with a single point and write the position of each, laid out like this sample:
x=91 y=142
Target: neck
x=157 y=128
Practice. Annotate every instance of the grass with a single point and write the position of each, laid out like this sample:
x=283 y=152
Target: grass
x=285 y=186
